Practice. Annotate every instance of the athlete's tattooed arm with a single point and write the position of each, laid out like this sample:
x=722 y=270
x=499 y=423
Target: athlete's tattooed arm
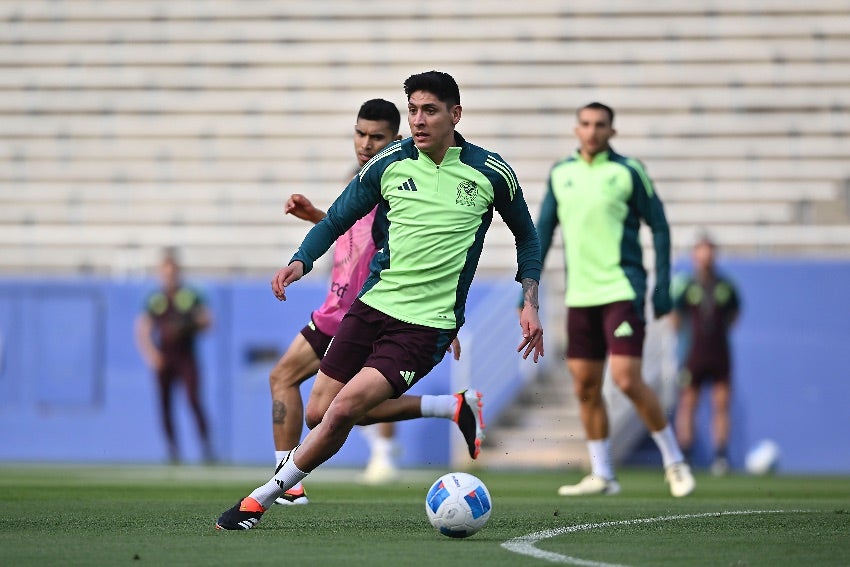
x=532 y=330
x=529 y=292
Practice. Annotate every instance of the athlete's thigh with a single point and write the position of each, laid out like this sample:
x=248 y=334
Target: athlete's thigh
x=626 y=371
x=298 y=363
x=189 y=374
x=353 y=342
x=625 y=328
x=364 y=391
x=585 y=334
x=325 y=389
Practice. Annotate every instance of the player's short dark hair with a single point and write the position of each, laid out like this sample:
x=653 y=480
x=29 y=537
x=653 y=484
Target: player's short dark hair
x=705 y=237
x=442 y=85
x=599 y=106
x=380 y=109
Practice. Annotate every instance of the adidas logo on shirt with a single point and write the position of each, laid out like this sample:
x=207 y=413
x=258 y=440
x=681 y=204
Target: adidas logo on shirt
x=408 y=185
x=624 y=330
x=407 y=375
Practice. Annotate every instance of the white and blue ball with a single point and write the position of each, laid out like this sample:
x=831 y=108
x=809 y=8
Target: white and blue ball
x=458 y=504
x=763 y=458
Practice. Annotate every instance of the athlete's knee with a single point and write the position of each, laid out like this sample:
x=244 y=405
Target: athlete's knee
x=278 y=376
x=587 y=391
x=629 y=381
x=313 y=416
x=341 y=415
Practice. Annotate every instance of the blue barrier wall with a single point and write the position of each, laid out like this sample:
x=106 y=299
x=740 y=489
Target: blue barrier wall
x=791 y=378
x=73 y=388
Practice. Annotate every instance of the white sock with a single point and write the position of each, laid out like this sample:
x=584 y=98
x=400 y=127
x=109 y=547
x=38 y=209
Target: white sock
x=600 y=458
x=382 y=449
x=370 y=432
x=443 y=405
x=279 y=456
x=288 y=476
x=669 y=447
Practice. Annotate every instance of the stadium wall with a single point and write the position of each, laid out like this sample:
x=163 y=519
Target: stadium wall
x=74 y=389
x=791 y=367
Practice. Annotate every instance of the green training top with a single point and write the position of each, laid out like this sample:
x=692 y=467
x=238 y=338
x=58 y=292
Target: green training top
x=599 y=206
x=436 y=217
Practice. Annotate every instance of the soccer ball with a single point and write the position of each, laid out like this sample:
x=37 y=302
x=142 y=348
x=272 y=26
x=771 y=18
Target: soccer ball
x=763 y=458
x=458 y=504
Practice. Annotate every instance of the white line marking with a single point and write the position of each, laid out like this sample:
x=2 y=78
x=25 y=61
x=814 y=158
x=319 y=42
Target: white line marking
x=525 y=545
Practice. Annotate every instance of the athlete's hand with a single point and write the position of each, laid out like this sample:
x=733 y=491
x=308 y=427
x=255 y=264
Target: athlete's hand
x=285 y=276
x=300 y=206
x=454 y=348
x=532 y=333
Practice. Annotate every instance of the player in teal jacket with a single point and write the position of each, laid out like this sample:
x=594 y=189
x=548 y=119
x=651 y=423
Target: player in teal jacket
x=437 y=217
x=599 y=198
x=437 y=193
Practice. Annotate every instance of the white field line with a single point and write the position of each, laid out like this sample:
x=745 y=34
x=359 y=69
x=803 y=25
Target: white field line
x=525 y=545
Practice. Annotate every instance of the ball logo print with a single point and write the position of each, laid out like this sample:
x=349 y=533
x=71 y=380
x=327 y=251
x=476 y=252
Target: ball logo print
x=458 y=504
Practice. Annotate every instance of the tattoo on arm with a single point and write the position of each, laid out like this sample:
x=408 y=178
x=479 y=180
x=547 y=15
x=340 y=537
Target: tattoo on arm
x=529 y=292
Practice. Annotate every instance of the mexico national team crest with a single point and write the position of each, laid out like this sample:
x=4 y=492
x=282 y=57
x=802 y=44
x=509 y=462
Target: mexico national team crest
x=466 y=193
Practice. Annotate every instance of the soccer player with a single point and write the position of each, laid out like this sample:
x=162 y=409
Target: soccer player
x=437 y=192
x=174 y=315
x=599 y=198
x=707 y=305
x=377 y=125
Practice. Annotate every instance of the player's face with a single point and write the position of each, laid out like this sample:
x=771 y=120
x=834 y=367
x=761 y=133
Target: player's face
x=370 y=137
x=169 y=274
x=432 y=123
x=593 y=130
x=703 y=256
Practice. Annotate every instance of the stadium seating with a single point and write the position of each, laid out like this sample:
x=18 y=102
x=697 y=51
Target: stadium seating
x=128 y=126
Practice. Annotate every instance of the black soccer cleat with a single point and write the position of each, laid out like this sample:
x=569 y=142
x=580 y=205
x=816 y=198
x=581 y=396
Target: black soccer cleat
x=244 y=516
x=470 y=419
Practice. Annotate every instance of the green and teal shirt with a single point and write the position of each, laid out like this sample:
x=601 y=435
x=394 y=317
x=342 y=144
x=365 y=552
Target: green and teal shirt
x=174 y=318
x=435 y=219
x=599 y=206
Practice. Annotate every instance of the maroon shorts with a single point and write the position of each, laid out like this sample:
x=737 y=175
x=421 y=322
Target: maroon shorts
x=614 y=328
x=317 y=340
x=402 y=352
x=698 y=375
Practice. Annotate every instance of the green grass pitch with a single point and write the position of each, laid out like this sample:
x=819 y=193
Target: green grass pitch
x=97 y=515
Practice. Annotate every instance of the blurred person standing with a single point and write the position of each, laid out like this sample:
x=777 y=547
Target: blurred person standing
x=706 y=307
x=172 y=318
x=599 y=198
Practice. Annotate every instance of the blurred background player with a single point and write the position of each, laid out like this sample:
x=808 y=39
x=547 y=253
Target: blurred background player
x=707 y=305
x=377 y=125
x=599 y=198
x=173 y=316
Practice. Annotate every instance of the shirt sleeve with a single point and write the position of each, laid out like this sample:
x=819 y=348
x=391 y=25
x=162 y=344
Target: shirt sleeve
x=513 y=209
x=651 y=209
x=547 y=221
x=359 y=197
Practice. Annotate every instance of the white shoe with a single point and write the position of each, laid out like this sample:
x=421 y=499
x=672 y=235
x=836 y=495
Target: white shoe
x=720 y=466
x=293 y=496
x=680 y=479
x=379 y=471
x=589 y=485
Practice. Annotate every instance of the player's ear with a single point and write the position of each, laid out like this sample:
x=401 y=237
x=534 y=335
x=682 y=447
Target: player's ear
x=456 y=111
